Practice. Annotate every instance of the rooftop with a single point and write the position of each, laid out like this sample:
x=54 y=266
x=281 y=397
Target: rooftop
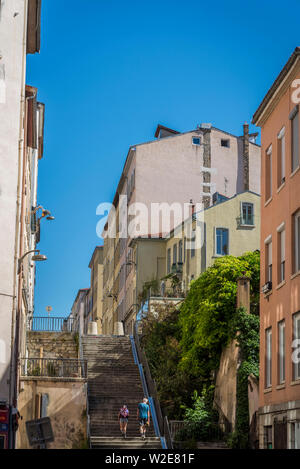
x=289 y=66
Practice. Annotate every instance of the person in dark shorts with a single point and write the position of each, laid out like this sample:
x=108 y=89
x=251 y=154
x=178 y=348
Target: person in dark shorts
x=123 y=419
x=143 y=415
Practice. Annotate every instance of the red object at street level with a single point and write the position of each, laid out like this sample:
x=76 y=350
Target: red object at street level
x=4 y=426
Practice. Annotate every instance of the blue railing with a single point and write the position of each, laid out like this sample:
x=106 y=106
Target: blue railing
x=52 y=324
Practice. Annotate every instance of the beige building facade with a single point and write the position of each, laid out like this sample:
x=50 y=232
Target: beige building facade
x=96 y=290
x=182 y=168
x=21 y=148
x=165 y=267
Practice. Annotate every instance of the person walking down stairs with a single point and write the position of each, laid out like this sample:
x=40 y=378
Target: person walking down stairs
x=143 y=414
x=123 y=419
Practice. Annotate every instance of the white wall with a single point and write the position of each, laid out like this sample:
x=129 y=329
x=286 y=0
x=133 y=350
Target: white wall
x=12 y=63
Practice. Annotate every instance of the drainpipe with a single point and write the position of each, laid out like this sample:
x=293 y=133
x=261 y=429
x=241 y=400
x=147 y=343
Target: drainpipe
x=246 y=157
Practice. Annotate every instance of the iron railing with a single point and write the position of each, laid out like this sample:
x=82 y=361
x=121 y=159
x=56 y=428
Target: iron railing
x=165 y=293
x=52 y=324
x=53 y=368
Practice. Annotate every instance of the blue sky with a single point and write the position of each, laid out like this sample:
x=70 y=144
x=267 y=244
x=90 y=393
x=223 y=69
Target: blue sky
x=109 y=72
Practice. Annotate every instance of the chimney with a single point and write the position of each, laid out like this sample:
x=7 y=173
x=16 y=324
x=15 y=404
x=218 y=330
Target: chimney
x=246 y=157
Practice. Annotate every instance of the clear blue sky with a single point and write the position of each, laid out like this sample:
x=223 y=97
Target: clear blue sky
x=108 y=72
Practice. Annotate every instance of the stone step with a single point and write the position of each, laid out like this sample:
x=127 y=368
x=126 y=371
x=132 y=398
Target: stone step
x=128 y=443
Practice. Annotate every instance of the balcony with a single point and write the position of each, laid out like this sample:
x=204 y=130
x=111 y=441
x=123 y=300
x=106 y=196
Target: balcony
x=58 y=368
x=52 y=324
x=177 y=268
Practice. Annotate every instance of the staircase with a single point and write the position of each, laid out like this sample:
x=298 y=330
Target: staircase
x=114 y=380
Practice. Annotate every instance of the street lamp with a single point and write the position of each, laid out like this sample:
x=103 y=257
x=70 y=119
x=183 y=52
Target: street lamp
x=45 y=213
x=37 y=258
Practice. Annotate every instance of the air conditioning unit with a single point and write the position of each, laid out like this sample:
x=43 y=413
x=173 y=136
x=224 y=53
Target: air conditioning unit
x=267 y=287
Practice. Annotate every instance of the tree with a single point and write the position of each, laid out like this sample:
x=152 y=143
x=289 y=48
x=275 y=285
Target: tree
x=206 y=314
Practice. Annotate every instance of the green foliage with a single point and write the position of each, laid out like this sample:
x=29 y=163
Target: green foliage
x=201 y=421
x=161 y=337
x=183 y=347
x=245 y=329
x=152 y=285
x=206 y=314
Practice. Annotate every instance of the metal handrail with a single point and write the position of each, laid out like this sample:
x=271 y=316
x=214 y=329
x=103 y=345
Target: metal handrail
x=60 y=368
x=151 y=386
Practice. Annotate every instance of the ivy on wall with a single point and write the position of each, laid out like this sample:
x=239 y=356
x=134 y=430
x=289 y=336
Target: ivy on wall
x=184 y=347
x=245 y=329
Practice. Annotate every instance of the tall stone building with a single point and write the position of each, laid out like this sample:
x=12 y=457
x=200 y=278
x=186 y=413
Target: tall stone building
x=176 y=168
x=21 y=148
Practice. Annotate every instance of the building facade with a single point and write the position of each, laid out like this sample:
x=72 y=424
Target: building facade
x=278 y=117
x=164 y=267
x=81 y=311
x=21 y=148
x=184 y=169
x=96 y=290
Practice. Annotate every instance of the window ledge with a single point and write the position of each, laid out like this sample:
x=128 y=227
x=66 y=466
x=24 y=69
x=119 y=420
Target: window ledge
x=295 y=383
x=295 y=275
x=280 y=285
x=295 y=171
x=280 y=386
x=246 y=226
x=266 y=391
x=268 y=201
x=281 y=187
x=266 y=295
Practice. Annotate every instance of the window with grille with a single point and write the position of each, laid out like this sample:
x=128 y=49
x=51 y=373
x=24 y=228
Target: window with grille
x=294 y=118
x=296 y=242
x=281 y=257
x=281 y=157
x=268 y=356
x=296 y=336
x=247 y=214
x=281 y=352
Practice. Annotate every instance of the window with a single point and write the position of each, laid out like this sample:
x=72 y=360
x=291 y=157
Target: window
x=294 y=118
x=268 y=437
x=281 y=254
x=247 y=214
x=281 y=157
x=268 y=355
x=296 y=242
x=196 y=141
x=295 y=435
x=268 y=263
x=175 y=254
x=296 y=336
x=281 y=352
x=225 y=142
x=268 y=177
x=180 y=251
x=169 y=261
x=222 y=237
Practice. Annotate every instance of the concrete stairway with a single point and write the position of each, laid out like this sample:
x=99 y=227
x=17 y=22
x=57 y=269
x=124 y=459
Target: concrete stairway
x=114 y=380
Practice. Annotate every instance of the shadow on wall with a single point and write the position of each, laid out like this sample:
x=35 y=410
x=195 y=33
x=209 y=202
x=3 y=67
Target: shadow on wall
x=64 y=403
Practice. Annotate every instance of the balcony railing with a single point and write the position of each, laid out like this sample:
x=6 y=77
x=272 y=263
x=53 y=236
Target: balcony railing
x=52 y=324
x=53 y=368
x=170 y=292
